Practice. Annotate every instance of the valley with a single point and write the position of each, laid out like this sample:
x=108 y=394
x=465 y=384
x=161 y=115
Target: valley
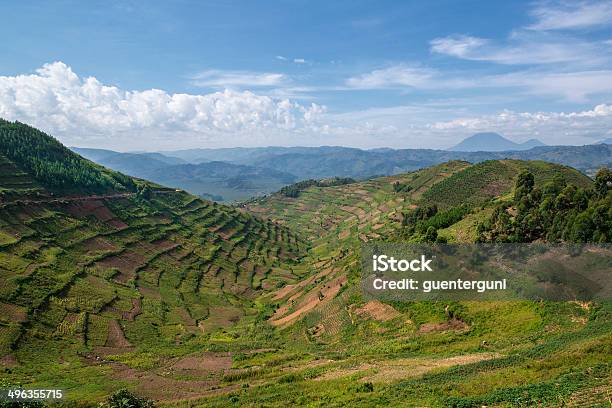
x=113 y=282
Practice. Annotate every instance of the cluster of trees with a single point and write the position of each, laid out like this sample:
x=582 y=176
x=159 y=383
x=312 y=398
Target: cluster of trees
x=294 y=190
x=52 y=164
x=555 y=212
x=422 y=223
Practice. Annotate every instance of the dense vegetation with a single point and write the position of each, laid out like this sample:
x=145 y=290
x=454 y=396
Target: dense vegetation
x=53 y=165
x=422 y=223
x=294 y=190
x=556 y=211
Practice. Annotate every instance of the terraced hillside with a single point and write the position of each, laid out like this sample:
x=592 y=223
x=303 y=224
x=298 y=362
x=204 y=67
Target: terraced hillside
x=422 y=353
x=139 y=275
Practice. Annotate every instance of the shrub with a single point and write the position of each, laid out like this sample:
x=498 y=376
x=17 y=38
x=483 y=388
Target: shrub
x=125 y=399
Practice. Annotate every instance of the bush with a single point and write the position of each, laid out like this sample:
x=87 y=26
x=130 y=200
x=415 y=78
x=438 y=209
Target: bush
x=125 y=399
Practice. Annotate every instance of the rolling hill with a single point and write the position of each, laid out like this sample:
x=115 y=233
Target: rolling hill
x=249 y=172
x=215 y=180
x=193 y=303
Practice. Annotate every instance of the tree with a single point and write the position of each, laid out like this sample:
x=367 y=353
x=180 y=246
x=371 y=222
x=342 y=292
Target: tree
x=557 y=212
x=603 y=180
x=431 y=235
x=145 y=192
x=524 y=184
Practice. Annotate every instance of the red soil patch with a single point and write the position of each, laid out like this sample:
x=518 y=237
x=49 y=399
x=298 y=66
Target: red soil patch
x=162 y=387
x=164 y=244
x=221 y=316
x=136 y=310
x=377 y=310
x=98 y=244
x=115 y=337
x=13 y=313
x=325 y=293
x=207 y=363
x=98 y=210
x=453 y=324
x=8 y=361
x=284 y=291
x=495 y=188
x=126 y=263
x=344 y=234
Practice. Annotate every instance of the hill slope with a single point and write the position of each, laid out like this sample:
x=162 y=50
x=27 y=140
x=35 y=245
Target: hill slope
x=373 y=353
x=115 y=272
x=50 y=163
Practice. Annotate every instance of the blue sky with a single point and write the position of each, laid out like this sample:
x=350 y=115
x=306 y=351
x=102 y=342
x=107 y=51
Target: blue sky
x=147 y=75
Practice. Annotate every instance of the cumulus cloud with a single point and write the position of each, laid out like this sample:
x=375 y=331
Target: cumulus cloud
x=571 y=15
x=84 y=111
x=76 y=109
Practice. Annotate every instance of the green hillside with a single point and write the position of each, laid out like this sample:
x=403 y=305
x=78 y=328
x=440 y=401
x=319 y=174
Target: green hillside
x=470 y=354
x=53 y=165
x=142 y=275
x=490 y=179
x=192 y=303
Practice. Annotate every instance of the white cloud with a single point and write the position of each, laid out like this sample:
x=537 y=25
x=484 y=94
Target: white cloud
x=572 y=86
x=522 y=47
x=575 y=86
x=399 y=75
x=571 y=15
x=214 y=78
x=547 y=41
x=83 y=111
x=551 y=127
x=299 y=60
x=281 y=58
x=461 y=46
x=78 y=110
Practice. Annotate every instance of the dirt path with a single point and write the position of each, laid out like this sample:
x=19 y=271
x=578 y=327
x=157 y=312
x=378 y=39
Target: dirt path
x=116 y=338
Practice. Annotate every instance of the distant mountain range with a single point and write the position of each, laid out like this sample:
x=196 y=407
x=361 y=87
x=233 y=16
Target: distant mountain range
x=215 y=180
x=230 y=174
x=493 y=142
